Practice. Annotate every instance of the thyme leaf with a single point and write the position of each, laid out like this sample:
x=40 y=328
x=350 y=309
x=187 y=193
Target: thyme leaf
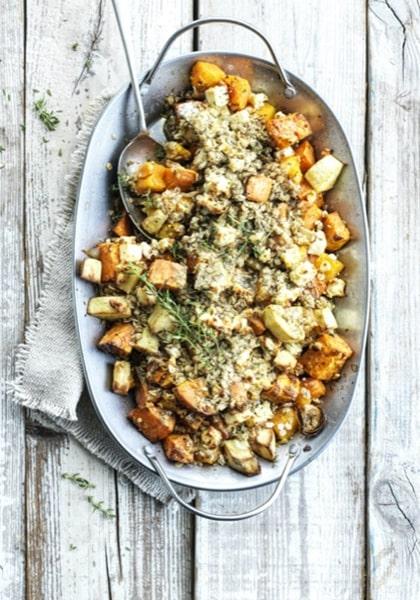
x=48 y=117
x=109 y=513
x=78 y=480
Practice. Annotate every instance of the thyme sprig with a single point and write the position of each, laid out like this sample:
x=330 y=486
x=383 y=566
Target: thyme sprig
x=78 y=480
x=48 y=117
x=109 y=513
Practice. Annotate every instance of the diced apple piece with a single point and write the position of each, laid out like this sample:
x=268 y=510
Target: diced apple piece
x=168 y=275
x=325 y=358
x=160 y=320
x=150 y=177
x=283 y=326
x=239 y=92
x=122 y=377
x=109 y=308
x=127 y=281
x=324 y=173
x=284 y=389
x=240 y=457
x=286 y=424
x=263 y=443
x=205 y=75
x=336 y=231
x=193 y=394
x=326 y=318
x=144 y=296
x=305 y=151
x=329 y=266
x=154 y=221
x=124 y=226
x=179 y=448
x=118 y=340
x=109 y=255
x=258 y=188
x=287 y=130
x=180 y=177
x=153 y=422
x=146 y=342
x=91 y=270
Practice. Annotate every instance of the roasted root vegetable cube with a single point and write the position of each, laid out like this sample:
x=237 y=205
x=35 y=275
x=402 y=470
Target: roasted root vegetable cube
x=122 y=377
x=118 y=340
x=315 y=387
x=91 y=270
x=329 y=266
x=266 y=111
x=324 y=173
x=126 y=281
x=150 y=177
x=282 y=323
x=171 y=231
x=193 y=394
x=239 y=456
x=109 y=308
x=311 y=215
x=176 y=151
x=256 y=324
x=180 y=177
x=161 y=377
x=168 y=275
x=258 y=188
x=154 y=221
x=286 y=423
x=287 y=130
x=263 y=443
x=109 y=255
x=305 y=151
x=124 y=226
x=336 y=231
x=205 y=75
x=153 y=422
x=179 y=448
x=160 y=320
x=239 y=92
x=291 y=166
x=142 y=394
x=285 y=389
x=325 y=358
x=146 y=342
x=238 y=395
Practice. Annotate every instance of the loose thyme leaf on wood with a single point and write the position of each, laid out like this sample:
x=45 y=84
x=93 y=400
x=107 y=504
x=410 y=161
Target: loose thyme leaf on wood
x=78 y=480
x=48 y=117
x=99 y=505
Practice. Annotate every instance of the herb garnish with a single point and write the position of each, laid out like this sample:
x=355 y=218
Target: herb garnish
x=109 y=513
x=77 y=479
x=48 y=117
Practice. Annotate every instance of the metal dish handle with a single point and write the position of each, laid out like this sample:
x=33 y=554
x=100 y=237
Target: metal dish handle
x=293 y=453
x=289 y=89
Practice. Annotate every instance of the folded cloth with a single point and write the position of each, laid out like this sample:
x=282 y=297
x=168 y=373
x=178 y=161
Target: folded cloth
x=50 y=383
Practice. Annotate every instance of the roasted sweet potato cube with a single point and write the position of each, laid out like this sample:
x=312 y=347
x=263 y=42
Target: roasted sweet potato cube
x=336 y=231
x=193 y=394
x=257 y=324
x=287 y=130
x=286 y=423
x=161 y=377
x=263 y=443
x=122 y=377
x=258 y=188
x=315 y=387
x=109 y=255
x=291 y=167
x=311 y=215
x=152 y=421
x=284 y=389
x=118 y=340
x=124 y=226
x=205 y=75
x=168 y=275
x=306 y=153
x=240 y=457
x=239 y=92
x=325 y=358
x=179 y=448
x=150 y=177
x=180 y=177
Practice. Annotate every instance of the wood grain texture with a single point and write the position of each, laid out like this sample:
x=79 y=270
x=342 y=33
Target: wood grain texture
x=310 y=545
x=12 y=294
x=74 y=51
x=394 y=203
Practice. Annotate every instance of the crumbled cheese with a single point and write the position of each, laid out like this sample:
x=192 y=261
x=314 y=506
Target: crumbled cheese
x=319 y=244
x=225 y=235
x=217 y=95
x=303 y=273
x=258 y=100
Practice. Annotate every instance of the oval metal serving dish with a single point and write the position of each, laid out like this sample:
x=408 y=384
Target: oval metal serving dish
x=117 y=123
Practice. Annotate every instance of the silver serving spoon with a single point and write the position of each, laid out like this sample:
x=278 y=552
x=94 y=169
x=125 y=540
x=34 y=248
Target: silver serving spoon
x=142 y=147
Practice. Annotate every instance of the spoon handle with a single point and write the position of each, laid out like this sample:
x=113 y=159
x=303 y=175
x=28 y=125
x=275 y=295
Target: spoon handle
x=130 y=63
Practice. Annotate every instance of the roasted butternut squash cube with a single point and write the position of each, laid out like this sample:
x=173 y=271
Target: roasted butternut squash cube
x=286 y=423
x=109 y=255
x=205 y=75
x=287 y=130
x=118 y=340
x=179 y=448
x=311 y=215
x=180 y=177
x=161 y=377
x=239 y=456
x=150 y=177
x=176 y=151
x=167 y=275
x=305 y=151
x=258 y=188
x=285 y=389
x=314 y=386
x=291 y=166
x=329 y=266
x=153 y=422
x=325 y=358
x=122 y=378
x=324 y=173
x=91 y=270
x=124 y=226
x=263 y=443
x=239 y=92
x=266 y=111
x=193 y=394
x=109 y=308
x=336 y=231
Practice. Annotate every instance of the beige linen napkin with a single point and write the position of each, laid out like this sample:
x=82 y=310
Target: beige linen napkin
x=50 y=383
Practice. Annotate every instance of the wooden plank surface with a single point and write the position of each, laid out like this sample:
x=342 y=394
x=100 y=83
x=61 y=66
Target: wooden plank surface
x=393 y=473
x=12 y=294
x=73 y=50
x=311 y=543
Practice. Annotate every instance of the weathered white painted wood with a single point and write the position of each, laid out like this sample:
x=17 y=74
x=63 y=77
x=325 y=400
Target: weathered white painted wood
x=12 y=294
x=311 y=544
x=111 y=558
x=393 y=473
